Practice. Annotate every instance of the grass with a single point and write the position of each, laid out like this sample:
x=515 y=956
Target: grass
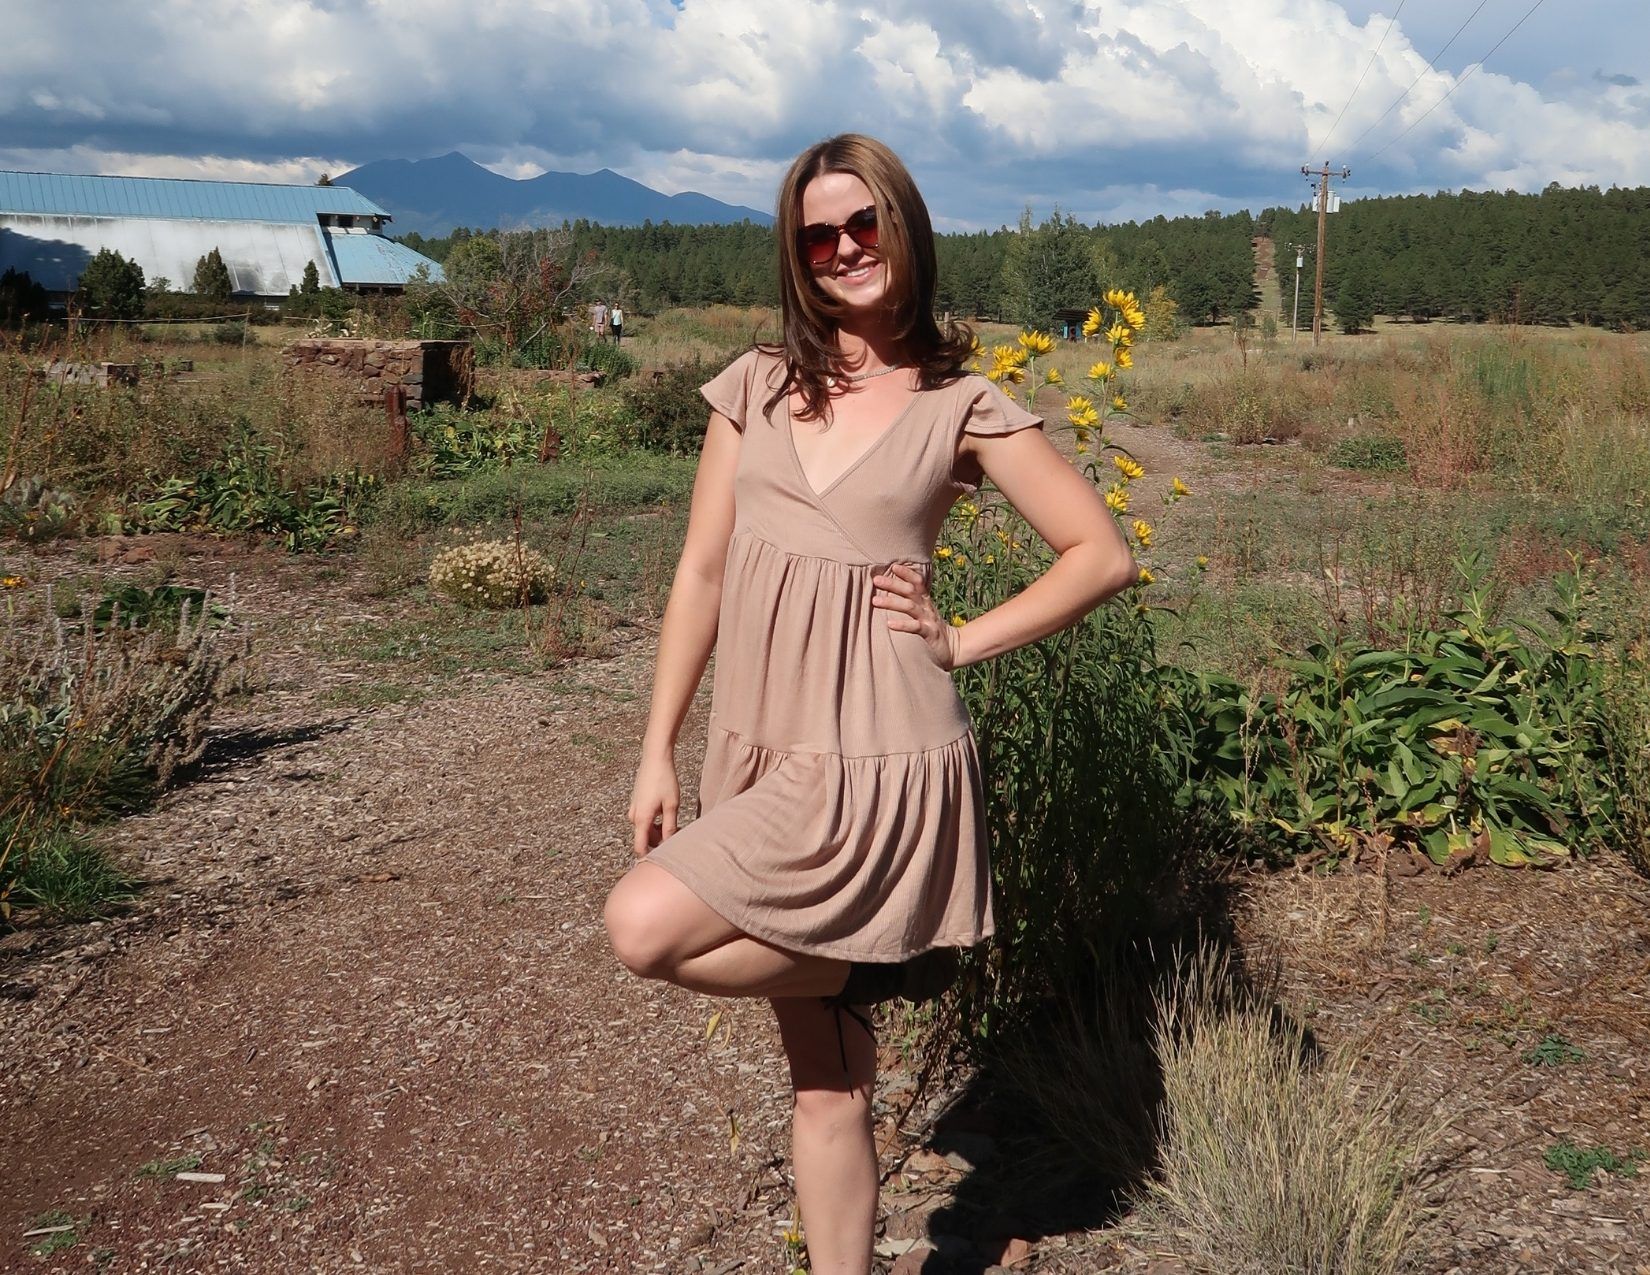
x=66 y=1231
x=1273 y=1158
x=185 y=1163
x=67 y=876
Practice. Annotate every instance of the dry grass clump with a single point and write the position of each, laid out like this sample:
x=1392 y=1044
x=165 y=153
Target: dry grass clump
x=1271 y=1159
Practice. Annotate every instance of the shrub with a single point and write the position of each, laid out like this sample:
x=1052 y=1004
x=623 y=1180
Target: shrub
x=491 y=573
x=1468 y=743
x=1378 y=453
x=94 y=720
x=34 y=513
x=669 y=411
x=455 y=443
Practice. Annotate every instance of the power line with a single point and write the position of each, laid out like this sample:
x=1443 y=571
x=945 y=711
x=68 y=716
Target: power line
x=1323 y=145
x=1432 y=65
x=1469 y=74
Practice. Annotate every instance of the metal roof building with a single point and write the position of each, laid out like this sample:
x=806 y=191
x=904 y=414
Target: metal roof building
x=52 y=224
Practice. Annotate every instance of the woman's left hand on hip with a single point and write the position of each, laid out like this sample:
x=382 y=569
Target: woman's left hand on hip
x=902 y=591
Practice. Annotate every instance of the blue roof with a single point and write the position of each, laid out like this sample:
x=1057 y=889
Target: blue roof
x=168 y=197
x=372 y=259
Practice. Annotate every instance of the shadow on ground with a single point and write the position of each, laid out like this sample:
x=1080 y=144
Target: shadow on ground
x=1056 y=1127
x=229 y=749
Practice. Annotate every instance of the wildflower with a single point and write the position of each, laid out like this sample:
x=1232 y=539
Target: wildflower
x=1054 y=377
x=1129 y=467
x=1119 y=335
x=1202 y=563
x=1178 y=488
x=962 y=559
x=957 y=621
x=1034 y=343
x=1093 y=324
x=1080 y=411
x=1133 y=315
x=1117 y=499
x=975 y=349
x=1119 y=402
x=944 y=551
x=1101 y=371
x=990 y=558
x=1082 y=449
x=1146 y=576
x=969 y=510
x=1125 y=360
x=13 y=582
x=1142 y=532
x=1007 y=365
x=1116 y=298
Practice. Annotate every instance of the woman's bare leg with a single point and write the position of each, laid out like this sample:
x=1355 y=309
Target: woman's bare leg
x=833 y=1149
x=661 y=929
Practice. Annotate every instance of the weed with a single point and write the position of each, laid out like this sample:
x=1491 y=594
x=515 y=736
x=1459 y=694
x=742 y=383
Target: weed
x=1580 y=1165
x=65 y=1231
x=186 y=1163
x=1553 y=1051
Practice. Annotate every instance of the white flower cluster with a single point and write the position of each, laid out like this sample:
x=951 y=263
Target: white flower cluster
x=491 y=573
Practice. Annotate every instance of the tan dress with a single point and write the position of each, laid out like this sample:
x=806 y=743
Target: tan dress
x=841 y=805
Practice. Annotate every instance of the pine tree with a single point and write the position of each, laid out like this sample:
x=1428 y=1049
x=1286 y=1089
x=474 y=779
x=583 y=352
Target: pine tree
x=312 y=279
x=111 y=287
x=212 y=278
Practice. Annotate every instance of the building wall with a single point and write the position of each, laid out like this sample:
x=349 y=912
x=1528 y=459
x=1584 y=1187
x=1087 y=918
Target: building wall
x=264 y=258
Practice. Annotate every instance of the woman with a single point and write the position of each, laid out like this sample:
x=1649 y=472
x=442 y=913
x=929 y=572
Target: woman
x=840 y=855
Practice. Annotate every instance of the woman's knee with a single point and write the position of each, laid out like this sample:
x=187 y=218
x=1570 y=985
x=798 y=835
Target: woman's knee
x=832 y=1111
x=639 y=930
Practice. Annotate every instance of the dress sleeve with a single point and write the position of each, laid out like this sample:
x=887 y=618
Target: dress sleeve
x=729 y=392
x=989 y=413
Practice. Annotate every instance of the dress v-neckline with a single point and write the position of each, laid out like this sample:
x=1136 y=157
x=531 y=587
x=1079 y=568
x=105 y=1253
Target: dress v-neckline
x=820 y=493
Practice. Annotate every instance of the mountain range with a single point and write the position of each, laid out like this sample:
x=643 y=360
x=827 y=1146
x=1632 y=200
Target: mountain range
x=432 y=196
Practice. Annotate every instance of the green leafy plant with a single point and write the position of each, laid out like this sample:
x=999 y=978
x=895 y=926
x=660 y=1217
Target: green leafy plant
x=1469 y=741
x=246 y=491
x=1553 y=1051
x=1580 y=1165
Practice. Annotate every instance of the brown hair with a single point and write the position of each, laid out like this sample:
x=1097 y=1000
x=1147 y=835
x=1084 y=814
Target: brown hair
x=907 y=252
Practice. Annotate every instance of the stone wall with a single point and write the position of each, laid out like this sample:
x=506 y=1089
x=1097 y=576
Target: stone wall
x=429 y=371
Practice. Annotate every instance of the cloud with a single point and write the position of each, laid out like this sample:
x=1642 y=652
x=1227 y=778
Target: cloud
x=1102 y=107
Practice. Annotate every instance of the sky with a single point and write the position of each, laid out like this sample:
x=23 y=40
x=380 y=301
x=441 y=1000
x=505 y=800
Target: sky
x=1108 y=109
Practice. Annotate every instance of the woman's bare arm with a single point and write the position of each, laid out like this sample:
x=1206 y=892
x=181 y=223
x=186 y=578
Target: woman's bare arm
x=1094 y=561
x=688 y=635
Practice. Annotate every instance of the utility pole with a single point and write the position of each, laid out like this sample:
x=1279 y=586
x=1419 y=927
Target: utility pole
x=1324 y=176
x=1295 y=319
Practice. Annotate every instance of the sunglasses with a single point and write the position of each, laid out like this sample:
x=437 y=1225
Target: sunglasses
x=817 y=241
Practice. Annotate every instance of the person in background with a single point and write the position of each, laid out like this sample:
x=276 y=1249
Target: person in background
x=615 y=317
x=598 y=319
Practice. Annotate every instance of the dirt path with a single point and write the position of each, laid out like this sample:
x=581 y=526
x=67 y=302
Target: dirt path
x=368 y=986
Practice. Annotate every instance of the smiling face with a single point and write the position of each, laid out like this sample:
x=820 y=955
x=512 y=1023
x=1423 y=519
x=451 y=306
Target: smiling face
x=855 y=278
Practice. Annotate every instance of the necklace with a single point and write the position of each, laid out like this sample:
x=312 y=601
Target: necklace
x=863 y=376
